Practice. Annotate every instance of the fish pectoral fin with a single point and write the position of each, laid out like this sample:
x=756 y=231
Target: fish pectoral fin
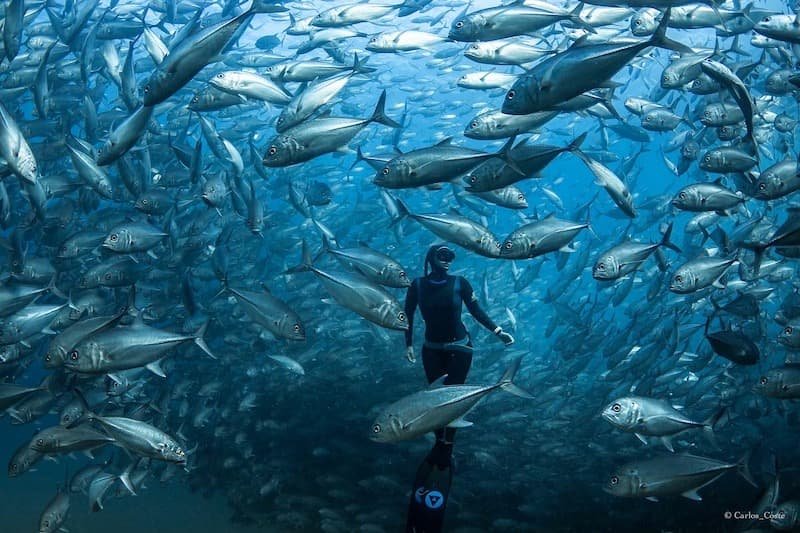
x=692 y=495
x=641 y=438
x=459 y=423
x=667 y=442
x=155 y=368
x=651 y=498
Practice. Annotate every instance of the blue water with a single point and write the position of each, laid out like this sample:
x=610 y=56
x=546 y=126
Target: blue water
x=523 y=466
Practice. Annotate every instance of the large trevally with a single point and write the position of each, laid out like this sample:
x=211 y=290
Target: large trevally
x=437 y=407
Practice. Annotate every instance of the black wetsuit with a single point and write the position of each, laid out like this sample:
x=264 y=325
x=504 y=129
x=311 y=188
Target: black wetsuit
x=448 y=347
x=447 y=350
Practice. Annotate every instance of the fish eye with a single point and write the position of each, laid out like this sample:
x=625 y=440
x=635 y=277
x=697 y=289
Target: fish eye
x=40 y=442
x=376 y=428
x=509 y=245
x=511 y=94
x=74 y=355
x=460 y=24
x=113 y=237
x=679 y=278
x=614 y=480
x=272 y=150
x=637 y=22
x=474 y=46
x=221 y=75
x=296 y=328
x=385 y=171
x=616 y=408
x=602 y=266
x=108 y=275
x=66 y=418
x=147 y=89
x=280 y=120
x=48 y=358
x=401 y=316
x=682 y=196
x=520 y=197
x=788 y=330
x=765 y=19
x=762 y=186
x=763 y=380
x=473 y=124
x=212 y=189
x=195 y=99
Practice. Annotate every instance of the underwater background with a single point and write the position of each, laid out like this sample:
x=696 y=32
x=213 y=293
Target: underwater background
x=273 y=446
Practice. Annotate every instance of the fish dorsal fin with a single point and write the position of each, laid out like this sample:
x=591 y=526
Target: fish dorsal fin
x=438 y=382
x=444 y=142
x=581 y=41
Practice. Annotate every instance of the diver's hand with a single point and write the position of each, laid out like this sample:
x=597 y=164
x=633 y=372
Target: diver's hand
x=506 y=337
x=410 y=355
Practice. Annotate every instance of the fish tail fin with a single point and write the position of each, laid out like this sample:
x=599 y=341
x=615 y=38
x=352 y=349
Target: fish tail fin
x=506 y=381
x=708 y=427
x=87 y=414
x=575 y=18
x=305 y=264
x=758 y=251
x=743 y=468
x=359 y=66
x=661 y=40
x=403 y=211
x=666 y=242
x=379 y=115
x=266 y=6
x=326 y=247
x=577 y=142
x=752 y=145
x=51 y=286
x=505 y=155
x=200 y=341
x=359 y=157
x=225 y=287
x=125 y=478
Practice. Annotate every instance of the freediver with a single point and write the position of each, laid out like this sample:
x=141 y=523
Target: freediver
x=447 y=350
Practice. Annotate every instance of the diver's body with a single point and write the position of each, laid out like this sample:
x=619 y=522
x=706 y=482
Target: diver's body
x=447 y=350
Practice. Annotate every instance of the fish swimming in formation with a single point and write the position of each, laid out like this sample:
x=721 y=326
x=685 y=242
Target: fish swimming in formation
x=161 y=162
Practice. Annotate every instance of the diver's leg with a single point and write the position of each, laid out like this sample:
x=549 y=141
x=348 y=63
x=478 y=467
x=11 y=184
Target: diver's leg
x=432 y=483
x=435 y=364
x=458 y=365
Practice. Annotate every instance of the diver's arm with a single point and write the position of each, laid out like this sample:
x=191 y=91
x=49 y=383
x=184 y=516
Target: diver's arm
x=471 y=301
x=410 y=309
